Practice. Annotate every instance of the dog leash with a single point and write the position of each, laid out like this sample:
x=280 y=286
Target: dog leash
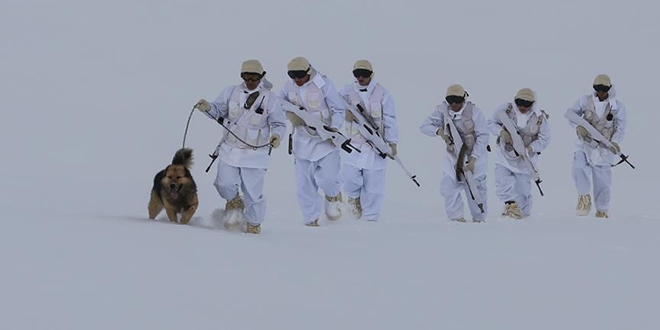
x=221 y=122
x=185 y=133
x=255 y=147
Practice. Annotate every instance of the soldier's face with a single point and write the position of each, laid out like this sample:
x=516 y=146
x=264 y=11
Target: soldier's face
x=602 y=91
x=523 y=109
x=299 y=77
x=364 y=81
x=252 y=80
x=301 y=81
x=252 y=84
x=602 y=95
x=456 y=106
x=455 y=102
x=363 y=76
x=524 y=105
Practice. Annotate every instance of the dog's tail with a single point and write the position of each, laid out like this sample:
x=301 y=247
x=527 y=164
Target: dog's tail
x=183 y=156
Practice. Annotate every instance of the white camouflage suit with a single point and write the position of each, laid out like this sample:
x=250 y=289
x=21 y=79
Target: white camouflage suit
x=317 y=163
x=240 y=165
x=513 y=182
x=595 y=163
x=450 y=187
x=363 y=173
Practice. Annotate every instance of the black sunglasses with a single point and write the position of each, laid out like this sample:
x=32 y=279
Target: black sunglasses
x=251 y=76
x=524 y=103
x=453 y=99
x=602 y=88
x=357 y=73
x=297 y=74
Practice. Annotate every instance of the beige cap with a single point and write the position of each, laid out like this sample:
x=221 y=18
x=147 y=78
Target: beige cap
x=252 y=66
x=525 y=94
x=363 y=64
x=298 y=64
x=456 y=90
x=603 y=79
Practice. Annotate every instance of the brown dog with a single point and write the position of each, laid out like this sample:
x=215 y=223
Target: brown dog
x=174 y=189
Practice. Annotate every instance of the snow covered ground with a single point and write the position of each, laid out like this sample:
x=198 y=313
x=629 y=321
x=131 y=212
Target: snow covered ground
x=94 y=100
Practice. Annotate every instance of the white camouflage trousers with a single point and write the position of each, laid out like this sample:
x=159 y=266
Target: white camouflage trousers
x=250 y=181
x=369 y=185
x=312 y=175
x=583 y=173
x=512 y=186
x=450 y=189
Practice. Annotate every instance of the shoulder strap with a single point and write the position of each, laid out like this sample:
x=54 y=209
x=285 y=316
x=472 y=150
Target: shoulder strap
x=542 y=117
x=468 y=114
x=354 y=94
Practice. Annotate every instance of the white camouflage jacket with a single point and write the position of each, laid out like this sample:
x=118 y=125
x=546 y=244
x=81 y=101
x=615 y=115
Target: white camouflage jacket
x=254 y=125
x=381 y=108
x=436 y=121
x=317 y=93
x=538 y=144
x=599 y=155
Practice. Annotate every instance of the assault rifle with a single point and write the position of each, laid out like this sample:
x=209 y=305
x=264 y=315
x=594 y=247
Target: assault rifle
x=519 y=147
x=370 y=131
x=458 y=149
x=324 y=131
x=595 y=135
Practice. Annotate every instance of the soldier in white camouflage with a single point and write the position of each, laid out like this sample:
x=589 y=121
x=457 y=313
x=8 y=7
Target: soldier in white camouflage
x=513 y=180
x=592 y=162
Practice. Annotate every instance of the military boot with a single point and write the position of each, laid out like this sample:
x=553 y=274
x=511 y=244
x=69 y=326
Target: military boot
x=583 y=205
x=333 y=207
x=233 y=213
x=355 y=207
x=602 y=214
x=512 y=210
x=235 y=204
x=253 y=229
x=314 y=223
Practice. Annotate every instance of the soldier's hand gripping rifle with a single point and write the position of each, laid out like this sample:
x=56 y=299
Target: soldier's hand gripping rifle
x=519 y=148
x=370 y=131
x=596 y=135
x=324 y=131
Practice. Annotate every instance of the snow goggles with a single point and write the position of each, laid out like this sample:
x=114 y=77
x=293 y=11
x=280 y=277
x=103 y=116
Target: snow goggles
x=453 y=99
x=524 y=103
x=357 y=73
x=297 y=74
x=602 y=88
x=251 y=76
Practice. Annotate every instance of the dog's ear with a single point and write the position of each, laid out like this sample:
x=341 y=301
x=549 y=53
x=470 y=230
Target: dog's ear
x=167 y=168
x=193 y=185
